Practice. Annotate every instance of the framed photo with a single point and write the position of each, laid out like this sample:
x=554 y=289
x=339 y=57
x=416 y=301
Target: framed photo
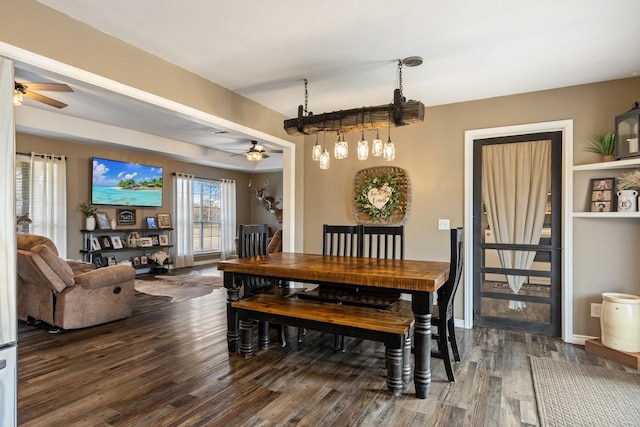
x=126 y=216
x=116 y=242
x=105 y=242
x=135 y=260
x=163 y=240
x=97 y=260
x=111 y=260
x=602 y=194
x=146 y=242
x=154 y=239
x=164 y=220
x=144 y=260
x=95 y=244
x=103 y=221
x=151 y=222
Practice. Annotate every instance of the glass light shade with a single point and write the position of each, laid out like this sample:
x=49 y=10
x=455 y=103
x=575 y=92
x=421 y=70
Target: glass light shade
x=18 y=98
x=363 y=149
x=341 y=150
x=389 y=150
x=376 y=149
x=316 y=151
x=324 y=159
x=254 y=156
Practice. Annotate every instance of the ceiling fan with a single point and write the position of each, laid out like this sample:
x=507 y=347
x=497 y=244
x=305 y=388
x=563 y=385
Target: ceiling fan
x=257 y=152
x=26 y=89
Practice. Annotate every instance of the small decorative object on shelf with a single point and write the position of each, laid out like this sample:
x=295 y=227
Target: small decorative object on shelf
x=602 y=195
x=103 y=221
x=604 y=144
x=164 y=220
x=163 y=240
x=628 y=187
x=627 y=133
x=126 y=216
x=151 y=222
x=89 y=211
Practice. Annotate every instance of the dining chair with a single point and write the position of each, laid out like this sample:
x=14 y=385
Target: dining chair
x=442 y=316
x=253 y=241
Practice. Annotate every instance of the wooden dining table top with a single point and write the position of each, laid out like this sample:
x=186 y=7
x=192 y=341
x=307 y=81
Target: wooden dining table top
x=404 y=275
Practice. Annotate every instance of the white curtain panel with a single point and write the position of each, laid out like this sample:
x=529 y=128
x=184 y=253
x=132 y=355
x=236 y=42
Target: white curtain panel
x=515 y=180
x=48 y=198
x=228 y=218
x=183 y=220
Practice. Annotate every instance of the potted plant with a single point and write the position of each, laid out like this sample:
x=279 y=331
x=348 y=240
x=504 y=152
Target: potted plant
x=628 y=186
x=89 y=211
x=603 y=144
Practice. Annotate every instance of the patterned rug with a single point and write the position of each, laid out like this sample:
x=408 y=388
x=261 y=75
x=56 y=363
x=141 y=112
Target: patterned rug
x=569 y=394
x=179 y=287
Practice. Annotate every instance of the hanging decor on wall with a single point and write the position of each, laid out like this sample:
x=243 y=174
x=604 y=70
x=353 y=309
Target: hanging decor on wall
x=381 y=195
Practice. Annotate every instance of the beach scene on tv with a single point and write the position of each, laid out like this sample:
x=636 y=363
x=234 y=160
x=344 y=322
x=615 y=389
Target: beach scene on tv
x=125 y=184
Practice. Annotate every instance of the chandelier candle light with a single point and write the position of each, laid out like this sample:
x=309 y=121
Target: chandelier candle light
x=401 y=111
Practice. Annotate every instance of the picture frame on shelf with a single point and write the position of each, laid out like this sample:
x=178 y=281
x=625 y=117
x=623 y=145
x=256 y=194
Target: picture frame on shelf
x=116 y=242
x=602 y=194
x=135 y=260
x=95 y=244
x=144 y=260
x=163 y=240
x=105 y=242
x=97 y=260
x=151 y=222
x=146 y=242
x=102 y=220
x=126 y=217
x=154 y=239
x=164 y=220
x=111 y=260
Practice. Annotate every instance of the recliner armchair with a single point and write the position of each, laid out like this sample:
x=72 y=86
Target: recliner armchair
x=68 y=294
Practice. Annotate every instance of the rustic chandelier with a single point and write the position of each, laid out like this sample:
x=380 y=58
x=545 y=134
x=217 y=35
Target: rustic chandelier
x=398 y=113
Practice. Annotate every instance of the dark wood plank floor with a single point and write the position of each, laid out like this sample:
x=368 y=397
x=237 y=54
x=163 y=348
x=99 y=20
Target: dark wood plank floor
x=168 y=365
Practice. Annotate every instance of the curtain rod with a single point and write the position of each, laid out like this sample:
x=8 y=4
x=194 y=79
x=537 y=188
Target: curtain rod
x=198 y=177
x=58 y=157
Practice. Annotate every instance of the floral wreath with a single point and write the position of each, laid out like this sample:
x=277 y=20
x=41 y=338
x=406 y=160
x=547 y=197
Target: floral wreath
x=386 y=183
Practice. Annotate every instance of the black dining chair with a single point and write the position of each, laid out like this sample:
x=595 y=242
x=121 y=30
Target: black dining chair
x=442 y=316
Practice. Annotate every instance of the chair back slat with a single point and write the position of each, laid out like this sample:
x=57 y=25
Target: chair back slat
x=341 y=240
x=253 y=240
x=447 y=292
x=380 y=241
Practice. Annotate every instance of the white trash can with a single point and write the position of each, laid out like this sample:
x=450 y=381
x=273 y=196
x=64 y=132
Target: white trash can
x=620 y=322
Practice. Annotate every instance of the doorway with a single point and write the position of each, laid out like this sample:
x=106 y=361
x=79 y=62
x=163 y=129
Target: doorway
x=517 y=219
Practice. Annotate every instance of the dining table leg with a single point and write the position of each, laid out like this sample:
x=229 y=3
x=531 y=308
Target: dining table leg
x=233 y=294
x=422 y=304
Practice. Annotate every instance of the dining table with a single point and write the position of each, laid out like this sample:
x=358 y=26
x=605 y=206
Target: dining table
x=418 y=278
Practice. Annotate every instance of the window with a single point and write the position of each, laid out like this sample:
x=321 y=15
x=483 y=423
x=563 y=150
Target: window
x=206 y=216
x=22 y=189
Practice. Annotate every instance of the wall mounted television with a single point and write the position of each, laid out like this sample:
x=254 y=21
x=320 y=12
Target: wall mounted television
x=117 y=183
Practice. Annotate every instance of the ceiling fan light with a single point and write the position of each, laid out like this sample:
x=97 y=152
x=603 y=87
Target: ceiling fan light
x=18 y=97
x=254 y=156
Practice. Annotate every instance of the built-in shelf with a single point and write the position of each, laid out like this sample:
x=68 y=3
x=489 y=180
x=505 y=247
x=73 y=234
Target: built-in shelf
x=606 y=214
x=617 y=164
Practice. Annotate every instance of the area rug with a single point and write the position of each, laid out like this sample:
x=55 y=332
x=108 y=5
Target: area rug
x=179 y=287
x=569 y=394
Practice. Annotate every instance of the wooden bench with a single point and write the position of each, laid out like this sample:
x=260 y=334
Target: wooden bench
x=391 y=328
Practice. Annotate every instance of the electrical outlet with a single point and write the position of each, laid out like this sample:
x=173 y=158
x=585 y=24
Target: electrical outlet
x=596 y=309
x=443 y=224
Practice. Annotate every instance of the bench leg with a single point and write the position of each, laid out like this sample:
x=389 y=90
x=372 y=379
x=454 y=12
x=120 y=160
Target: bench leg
x=263 y=335
x=394 y=369
x=246 y=338
x=406 y=358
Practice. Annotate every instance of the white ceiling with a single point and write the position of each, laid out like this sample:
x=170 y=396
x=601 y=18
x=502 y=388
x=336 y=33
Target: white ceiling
x=348 y=51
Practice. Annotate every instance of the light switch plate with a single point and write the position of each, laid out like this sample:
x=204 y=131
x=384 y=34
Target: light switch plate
x=596 y=309
x=443 y=224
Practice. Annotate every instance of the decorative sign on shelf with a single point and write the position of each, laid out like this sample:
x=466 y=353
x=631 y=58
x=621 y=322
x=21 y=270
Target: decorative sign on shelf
x=126 y=216
x=381 y=195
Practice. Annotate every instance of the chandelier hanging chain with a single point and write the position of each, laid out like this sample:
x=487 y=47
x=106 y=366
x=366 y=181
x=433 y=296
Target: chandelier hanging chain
x=306 y=97
x=399 y=77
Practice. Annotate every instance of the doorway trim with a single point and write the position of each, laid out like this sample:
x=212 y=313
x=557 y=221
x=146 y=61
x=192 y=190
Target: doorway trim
x=566 y=127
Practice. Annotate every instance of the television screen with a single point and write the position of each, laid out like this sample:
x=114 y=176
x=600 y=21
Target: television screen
x=125 y=184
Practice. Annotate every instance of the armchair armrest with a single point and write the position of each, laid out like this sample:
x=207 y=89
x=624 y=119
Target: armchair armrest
x=107 y=276
x=80 y=267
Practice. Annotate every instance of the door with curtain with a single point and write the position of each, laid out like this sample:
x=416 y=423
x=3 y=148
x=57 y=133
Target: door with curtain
x=517 y=216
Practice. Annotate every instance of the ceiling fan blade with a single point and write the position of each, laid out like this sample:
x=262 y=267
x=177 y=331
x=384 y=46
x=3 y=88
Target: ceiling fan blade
x=44 y=99
x=49 y=87
x=272 y=151
x=264 y=156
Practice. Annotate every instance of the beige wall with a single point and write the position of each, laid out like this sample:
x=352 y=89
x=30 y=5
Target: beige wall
x=431 y=152
x=79 y=181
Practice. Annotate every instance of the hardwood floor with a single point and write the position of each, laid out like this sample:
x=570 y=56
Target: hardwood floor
x=168 y=365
